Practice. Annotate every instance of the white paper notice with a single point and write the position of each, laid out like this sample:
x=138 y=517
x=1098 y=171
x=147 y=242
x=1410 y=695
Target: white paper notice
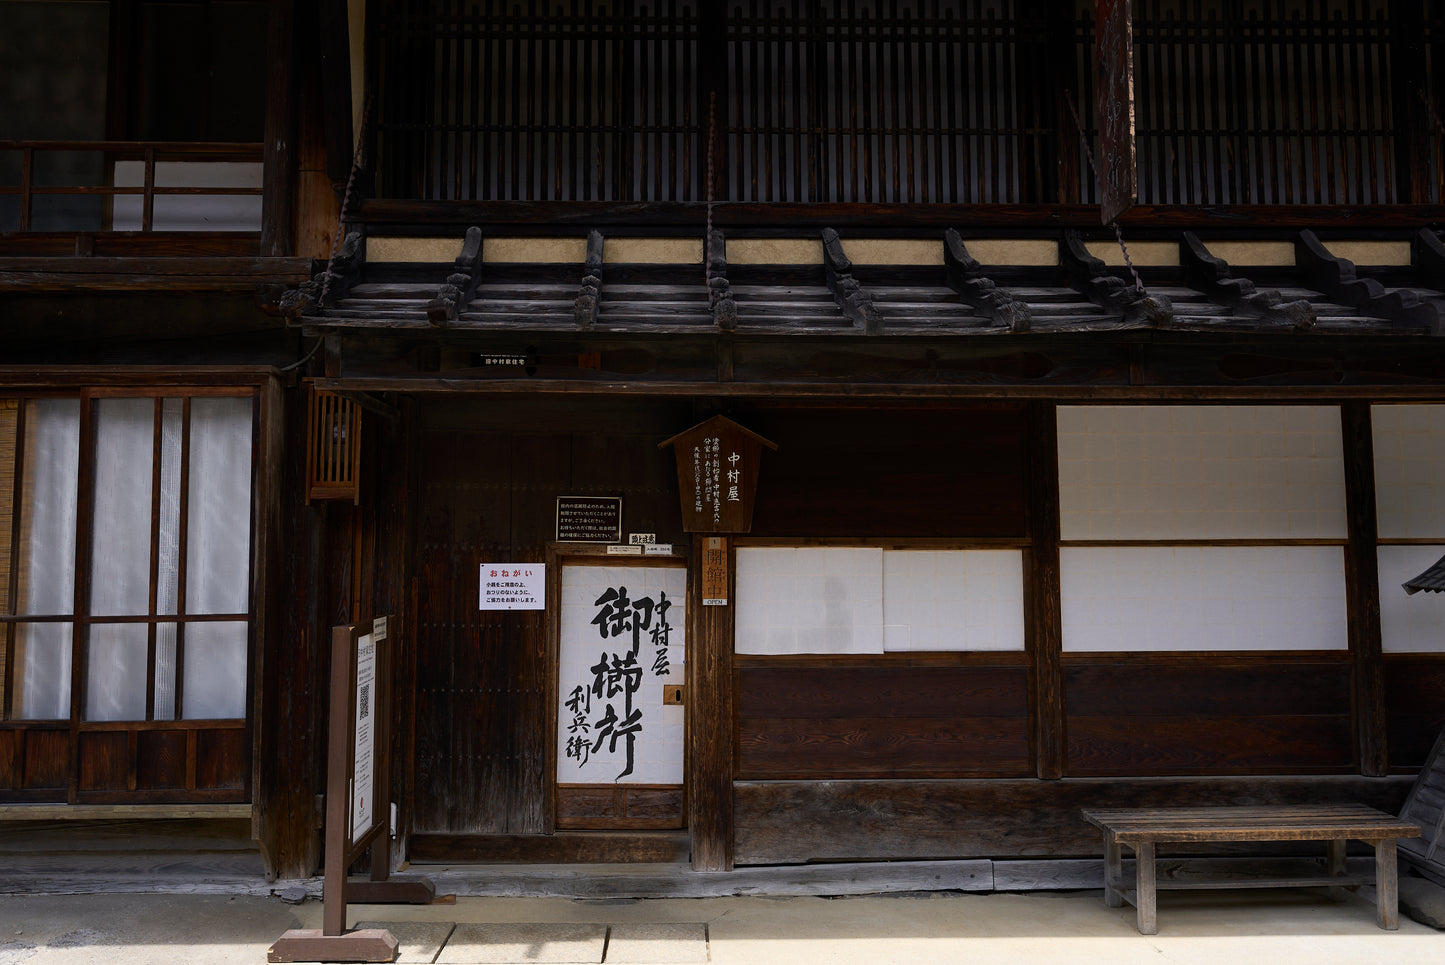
x=365 y=748
x=513 y=586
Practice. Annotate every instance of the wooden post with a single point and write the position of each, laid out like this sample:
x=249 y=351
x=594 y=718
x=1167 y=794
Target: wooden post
x=278 y=211
x=711 y=722
x=1041 y=592
x=1362 y=589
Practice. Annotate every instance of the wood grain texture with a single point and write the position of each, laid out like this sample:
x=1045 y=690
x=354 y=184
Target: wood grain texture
x=708 y=727
x=575 y=847
x=861 y=747
x=1042 y=594
x=1415 y=702
x=782 y=822
x=1177 y=745
x=1362 y=582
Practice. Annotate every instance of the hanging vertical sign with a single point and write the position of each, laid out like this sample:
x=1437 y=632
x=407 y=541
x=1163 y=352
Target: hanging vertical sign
x=717 y=475
x=1114 y=102
x=715 y=571
x=363 y=767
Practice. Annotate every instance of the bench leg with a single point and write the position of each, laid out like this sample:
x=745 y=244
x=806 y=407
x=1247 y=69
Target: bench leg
x=1144 y=895
x=1113 y=872
x=1387 y=884
x=1336 y=868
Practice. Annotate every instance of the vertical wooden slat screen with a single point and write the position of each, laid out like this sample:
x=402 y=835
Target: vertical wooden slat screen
x=873 y=101
x=1434 y=42
x=1273 y=102
x=333 y=448
x=557 y=100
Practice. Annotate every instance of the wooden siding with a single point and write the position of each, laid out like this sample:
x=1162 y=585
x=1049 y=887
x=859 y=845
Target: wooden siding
x=1414 y=706
x=787 y=822
x=892 y=473
x=1207 y=714
x=828 y=723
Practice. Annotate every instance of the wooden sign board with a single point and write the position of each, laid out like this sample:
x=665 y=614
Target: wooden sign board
x=717 y=475
x=715 y=571
x=358 y=804
x=589 y=519
x=1114 y=101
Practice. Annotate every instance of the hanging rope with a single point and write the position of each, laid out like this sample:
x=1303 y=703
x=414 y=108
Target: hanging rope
x=1118 y=232
x=707 y=243
x=357 y=158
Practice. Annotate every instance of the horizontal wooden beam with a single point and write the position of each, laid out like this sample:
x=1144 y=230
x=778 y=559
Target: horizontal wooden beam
x=794 y=218
x=129 y=812
x=853 y=390
x=581 y=847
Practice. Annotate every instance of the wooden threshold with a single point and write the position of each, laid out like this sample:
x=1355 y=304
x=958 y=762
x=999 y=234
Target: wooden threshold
x=581 y=847
x=102 y=812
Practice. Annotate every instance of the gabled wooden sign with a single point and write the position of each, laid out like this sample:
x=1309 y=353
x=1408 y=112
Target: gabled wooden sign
x=717 y=475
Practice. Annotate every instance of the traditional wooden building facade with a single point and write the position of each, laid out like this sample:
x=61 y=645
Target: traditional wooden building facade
x=1006 y=514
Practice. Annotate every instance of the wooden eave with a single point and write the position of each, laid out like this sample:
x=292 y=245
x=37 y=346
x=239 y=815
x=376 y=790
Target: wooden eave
x=66 y=275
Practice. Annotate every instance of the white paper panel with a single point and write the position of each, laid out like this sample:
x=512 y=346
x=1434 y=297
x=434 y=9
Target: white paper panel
x=42 y=661
x=115 y=686
x=953 y=600
x=1410 y=470
x=1410 y=623
x=1203 y=598
x=121 y=552
x=218 y=540
x=48 y=507
x=1201 y=472
x=816 y=599
x=215 y=671
x=613 y=662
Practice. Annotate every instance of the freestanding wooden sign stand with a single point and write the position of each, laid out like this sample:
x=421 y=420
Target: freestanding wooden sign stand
x=358 y=805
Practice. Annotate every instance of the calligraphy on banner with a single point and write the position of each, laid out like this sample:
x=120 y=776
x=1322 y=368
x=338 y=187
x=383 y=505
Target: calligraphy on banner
x=621 y=644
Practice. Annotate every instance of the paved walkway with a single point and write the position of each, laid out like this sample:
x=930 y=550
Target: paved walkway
x=1056 y=928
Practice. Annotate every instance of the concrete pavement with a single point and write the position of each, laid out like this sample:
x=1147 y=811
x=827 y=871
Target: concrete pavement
x=1195 y=928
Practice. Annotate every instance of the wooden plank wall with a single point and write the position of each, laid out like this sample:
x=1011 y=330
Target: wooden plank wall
x=489 y=495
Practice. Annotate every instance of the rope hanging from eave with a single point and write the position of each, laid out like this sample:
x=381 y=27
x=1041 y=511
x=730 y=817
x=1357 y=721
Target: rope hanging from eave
x=357 y=158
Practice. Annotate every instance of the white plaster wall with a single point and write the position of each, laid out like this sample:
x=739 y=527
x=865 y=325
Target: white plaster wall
x=1200 y=472
x=1410 y=623
x=1176 y=598
x=1409 y=470
x=953 y=600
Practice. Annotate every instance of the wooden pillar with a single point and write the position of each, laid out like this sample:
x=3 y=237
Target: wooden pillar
x=1362 y=583
x=1044 y=69
x=1041 y=592
x=278 y=203
x=711 y=722
x=1411 y=119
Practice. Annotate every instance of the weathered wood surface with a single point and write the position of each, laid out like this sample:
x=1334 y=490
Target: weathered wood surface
x=1144 y=828
x=1415 y=706
x=577 y=847
x=1426 y=806
x=781 y=822
x=981 y=217
x=1363 y=590
x=1042 y=594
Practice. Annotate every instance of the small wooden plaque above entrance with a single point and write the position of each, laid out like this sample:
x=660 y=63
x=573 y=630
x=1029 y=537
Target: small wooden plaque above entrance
x=717 y=475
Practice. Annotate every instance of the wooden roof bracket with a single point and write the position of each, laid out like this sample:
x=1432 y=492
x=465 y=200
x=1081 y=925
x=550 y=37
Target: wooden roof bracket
x=584 y=311
x=847 y=291
x=720 y=293
x=461 y=284
x=1337 y=279
x=1089 y=276
x=307 y=298
x=1210 y=274
x=966 y=276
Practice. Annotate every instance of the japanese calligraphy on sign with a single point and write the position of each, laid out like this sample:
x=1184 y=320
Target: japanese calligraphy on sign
x=589 y=519
x=513 y=586
x=621 y=644
x=717 y=475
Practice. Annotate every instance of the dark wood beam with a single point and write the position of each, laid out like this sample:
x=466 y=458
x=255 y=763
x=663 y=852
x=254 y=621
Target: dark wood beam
x=278 y=191
x=711 y=720
x=1042 y=595
x=1362 y=583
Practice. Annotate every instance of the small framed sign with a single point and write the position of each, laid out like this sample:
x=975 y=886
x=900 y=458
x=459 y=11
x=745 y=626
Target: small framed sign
x=589 y=519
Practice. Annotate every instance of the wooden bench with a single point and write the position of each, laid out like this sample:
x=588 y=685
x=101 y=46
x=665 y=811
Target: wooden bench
x=1143 y=828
